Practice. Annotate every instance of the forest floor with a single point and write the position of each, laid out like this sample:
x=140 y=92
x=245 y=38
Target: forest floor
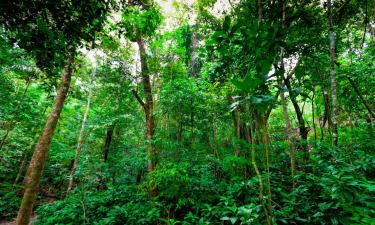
x=13 y=222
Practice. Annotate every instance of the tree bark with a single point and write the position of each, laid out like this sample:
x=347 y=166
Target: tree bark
x=194 y=54
x=147 y=105
x=39 y=157
x=313 y=115
x=301 y=121
x=332 y=75
x=20 y=169
x=260 y=180
x=260 y=10
x=288 y=136
x=105 y=153
x=108 y=140
x=303 y=130
x=80 y=138
x=327 y=110
x=327 y=105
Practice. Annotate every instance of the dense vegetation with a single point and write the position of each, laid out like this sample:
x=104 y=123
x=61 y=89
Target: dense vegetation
x=221 y=112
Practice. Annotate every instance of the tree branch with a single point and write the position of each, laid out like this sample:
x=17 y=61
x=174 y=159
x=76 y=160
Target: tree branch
x=135 y=93
x=365 y=103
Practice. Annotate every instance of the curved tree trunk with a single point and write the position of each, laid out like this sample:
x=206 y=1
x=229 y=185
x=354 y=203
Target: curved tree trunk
x=303 y=130
x=35 y=170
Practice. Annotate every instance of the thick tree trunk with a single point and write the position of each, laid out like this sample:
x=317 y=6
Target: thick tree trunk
x=332 y=75
x=147 y=105
x=39 y=157
x=241 y=130
x=80 y=139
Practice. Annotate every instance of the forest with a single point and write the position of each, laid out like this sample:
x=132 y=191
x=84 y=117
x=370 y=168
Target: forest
x=232 y=112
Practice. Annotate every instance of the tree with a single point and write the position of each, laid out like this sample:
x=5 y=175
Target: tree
x=199 y=118
x=140 y=23
x=80 y=137
x=332 y=73
x=62 y=23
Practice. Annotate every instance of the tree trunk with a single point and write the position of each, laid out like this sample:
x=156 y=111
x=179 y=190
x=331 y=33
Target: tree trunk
x=332 y=75
x=260 y=11
x=288 y=124
x=214 y=136
x=20 y=169
x=192 y=122
x=180 y=126
x=327 y=111
x=327 y=106
x=108 y=140
x=260 y=180
x=105 y=153
x=288 y=136
x=39 y=157
x=313 y=115
x=303 y=130
x=80 y=138
x=194 y=54
x=147 y=105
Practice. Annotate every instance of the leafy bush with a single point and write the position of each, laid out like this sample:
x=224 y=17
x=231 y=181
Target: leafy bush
x=9 y=201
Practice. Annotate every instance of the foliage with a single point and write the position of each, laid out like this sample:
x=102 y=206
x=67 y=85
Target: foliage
x=222 y=143
x=140 y=23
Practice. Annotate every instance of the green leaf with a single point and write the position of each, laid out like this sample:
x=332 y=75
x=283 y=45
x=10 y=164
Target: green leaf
x=248 y=84
x=226 y=23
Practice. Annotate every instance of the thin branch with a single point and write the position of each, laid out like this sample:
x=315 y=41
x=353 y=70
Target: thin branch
x=365 y=103
x=135 y=93
x=290 y=74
